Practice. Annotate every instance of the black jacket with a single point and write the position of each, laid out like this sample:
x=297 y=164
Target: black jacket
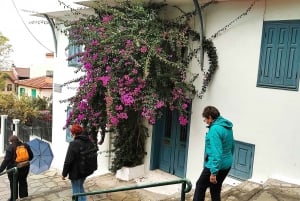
x=72 y=160
x=10 y=156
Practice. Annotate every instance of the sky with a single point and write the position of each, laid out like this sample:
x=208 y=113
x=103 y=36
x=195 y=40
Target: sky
x=30 y=41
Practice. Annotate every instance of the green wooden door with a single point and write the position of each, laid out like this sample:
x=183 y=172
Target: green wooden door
x=169 y=147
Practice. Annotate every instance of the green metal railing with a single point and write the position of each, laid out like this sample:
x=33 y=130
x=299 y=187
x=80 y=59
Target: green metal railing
x=185 y=188
x=14 y=170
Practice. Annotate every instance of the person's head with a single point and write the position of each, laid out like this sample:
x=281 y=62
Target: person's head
x=76 y=129
x=13 y=139
x=210 y=113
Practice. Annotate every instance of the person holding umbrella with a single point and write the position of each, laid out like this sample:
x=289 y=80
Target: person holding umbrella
x=10 y=162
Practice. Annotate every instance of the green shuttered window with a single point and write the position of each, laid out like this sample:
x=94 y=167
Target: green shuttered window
x=280 y=55
x=74 y=53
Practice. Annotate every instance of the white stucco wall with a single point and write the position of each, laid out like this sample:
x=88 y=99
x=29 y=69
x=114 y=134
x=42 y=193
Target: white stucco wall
x=264 y=117
x=39 y=92
x=62 y=74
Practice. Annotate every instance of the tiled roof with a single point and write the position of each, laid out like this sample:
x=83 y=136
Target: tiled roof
x=43 y=82
x=22 y=72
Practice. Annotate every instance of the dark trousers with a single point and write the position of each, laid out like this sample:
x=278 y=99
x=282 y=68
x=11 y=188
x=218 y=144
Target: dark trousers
x=22 y=186
x=203 y=183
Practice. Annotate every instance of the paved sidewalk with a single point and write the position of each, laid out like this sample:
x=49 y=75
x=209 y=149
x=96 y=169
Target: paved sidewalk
x=50 y=187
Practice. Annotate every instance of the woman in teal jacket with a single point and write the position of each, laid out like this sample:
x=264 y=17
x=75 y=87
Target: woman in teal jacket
x=219 y=148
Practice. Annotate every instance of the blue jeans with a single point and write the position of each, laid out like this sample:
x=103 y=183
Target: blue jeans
x=77 y=187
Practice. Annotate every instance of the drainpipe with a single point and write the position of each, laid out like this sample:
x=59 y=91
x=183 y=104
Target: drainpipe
x=52 y=25
x=198 y=10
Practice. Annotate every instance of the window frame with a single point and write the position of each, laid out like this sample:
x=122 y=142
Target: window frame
x=74 y=51
x=9 y=87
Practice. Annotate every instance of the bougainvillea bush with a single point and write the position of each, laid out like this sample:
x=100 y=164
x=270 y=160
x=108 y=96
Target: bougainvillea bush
x=135 y=65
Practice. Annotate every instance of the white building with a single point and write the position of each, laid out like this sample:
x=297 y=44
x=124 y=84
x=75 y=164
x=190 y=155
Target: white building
x=256 y=87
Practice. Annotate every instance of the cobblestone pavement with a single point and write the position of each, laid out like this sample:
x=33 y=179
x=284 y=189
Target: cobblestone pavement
x=49 y=187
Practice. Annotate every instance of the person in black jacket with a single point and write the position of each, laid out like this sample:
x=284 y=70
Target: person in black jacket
x=9 y=162
x=72 y=160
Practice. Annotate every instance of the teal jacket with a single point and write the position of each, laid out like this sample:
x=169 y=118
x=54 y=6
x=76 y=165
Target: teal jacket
x=219 y=145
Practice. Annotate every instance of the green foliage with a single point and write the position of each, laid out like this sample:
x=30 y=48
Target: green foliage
x=41 y=103
x=129 y=142
x=22 y=108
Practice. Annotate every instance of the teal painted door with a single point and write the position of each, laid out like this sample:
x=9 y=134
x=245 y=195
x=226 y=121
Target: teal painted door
x=170 y=145
x=33 y=93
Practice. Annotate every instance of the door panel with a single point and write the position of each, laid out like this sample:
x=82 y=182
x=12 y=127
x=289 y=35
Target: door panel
x=171 y=138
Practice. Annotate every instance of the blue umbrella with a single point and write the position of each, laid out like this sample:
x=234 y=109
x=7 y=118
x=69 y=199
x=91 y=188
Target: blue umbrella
x=42 y=156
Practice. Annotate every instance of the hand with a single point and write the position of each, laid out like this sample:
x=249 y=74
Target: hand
x=63 y=178
x=213 y=179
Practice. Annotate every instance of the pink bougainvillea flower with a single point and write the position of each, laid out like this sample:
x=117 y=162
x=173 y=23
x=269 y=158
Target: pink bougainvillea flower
x=134 y=71
x=95 y=57
x=143 y=49
x=104 y=60
x=158 y=50
x=119 y=107
x=105 y=80
x=101 y=29
x=114 y=120
x=88 y=66
x=122 y=51
x=159 y=104
x=108 y=68
x=183 y=120
x=128 y=43
x=184 y=106
x=94 y=43
x=80 y=117
x=122 y=115
x=127 y=99
x=106 y=18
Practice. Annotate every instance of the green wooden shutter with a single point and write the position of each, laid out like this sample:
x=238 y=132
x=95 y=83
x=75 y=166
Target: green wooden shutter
x=293 y=60
x=33 y=93
x=73 y=51
x=22 y=91
x=243 y=159
x=279 y=59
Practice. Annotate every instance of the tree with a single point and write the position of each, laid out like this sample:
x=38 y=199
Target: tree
x=22 y=108
x=5 y=50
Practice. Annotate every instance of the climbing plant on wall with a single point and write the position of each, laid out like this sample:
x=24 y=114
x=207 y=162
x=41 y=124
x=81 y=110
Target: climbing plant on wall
x=135 y=64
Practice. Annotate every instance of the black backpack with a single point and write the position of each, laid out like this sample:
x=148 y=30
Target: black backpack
x=88 y=158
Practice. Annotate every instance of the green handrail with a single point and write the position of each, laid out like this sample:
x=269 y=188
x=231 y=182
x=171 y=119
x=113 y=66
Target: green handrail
x=185 y=188
x=15 y=172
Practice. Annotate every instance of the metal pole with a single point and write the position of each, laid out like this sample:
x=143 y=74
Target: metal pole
x=2 y=132
x=183 y=186
x=201 y=31
x=15 y=184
